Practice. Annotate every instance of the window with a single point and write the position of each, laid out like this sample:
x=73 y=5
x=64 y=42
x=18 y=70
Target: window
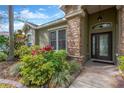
x=53 y=39
x=102 y=26
x=58 y=39
x=61 y=39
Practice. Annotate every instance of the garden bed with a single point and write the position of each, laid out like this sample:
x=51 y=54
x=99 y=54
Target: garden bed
x=41 y=67
x=4 y=71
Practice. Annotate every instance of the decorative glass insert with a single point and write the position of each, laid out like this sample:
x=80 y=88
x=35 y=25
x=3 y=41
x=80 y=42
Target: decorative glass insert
x=102 y=26
x=93 y=51
x=103 y=45
x=62 y=39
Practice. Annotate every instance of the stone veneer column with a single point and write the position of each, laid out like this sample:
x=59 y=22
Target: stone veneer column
x=73 y=36
x=74 y=18
x=121 y=28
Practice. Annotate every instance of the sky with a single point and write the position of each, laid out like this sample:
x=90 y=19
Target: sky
x=37 y=14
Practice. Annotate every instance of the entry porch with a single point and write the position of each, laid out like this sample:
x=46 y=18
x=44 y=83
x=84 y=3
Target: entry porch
x=95 y=33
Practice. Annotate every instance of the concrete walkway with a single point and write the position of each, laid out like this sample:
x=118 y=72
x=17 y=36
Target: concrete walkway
x=96 y=75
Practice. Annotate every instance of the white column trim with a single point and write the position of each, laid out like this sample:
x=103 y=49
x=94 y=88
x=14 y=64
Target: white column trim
x=57 y=43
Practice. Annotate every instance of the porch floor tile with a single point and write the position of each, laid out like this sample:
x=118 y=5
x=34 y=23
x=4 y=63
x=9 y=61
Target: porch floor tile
x=96 y=75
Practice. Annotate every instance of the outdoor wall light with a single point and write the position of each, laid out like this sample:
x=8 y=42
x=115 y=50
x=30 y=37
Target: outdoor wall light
x=99 y=18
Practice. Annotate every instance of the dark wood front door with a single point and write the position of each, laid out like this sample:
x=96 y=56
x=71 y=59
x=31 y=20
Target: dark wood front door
x=101 y=44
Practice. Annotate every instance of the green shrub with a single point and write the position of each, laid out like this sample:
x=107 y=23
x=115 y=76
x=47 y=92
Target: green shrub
x=43 y=66
x=4 y=44
x=22 y=51
x=121 y=62
x=34 y=71
x=6 y=86
x=60 y=79
x=46 y=67
x=25 y=50
x=3 y=56
x=74 y=67
x=34 y=47
x=59 y=55
x=14 y=69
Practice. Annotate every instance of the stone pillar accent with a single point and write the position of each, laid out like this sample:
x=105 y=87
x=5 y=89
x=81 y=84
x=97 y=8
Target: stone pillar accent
x=73 y=36
x=74 y=16
x=121 y=30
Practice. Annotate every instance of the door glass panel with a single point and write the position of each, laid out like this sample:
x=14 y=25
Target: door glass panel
x=93 y=50
x=103 y=43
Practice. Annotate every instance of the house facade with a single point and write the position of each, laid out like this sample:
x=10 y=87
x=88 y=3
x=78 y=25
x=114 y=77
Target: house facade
x=87 y=32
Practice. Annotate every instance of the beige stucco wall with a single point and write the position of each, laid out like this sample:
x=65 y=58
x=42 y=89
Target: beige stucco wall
x=84 y=36
x=43 y=34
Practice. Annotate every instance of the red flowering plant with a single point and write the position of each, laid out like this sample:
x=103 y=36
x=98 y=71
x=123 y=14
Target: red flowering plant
x=45 y=49
x=34 y=52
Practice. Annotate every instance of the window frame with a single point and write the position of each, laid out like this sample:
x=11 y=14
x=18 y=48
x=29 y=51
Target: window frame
x=57 y=38
x=93 y=26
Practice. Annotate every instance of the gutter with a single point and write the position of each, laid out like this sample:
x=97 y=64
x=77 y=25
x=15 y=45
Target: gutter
x=47 y=24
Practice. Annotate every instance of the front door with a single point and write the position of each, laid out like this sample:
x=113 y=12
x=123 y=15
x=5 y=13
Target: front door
x=101 y=44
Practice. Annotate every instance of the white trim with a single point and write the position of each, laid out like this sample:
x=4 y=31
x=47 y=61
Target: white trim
x=57 y=28
x=66 y=40
x=52 y=23
x=57 y=43
x=78 y=12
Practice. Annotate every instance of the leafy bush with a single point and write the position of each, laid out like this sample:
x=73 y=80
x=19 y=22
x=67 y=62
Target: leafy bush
x=60 y=79
x=4 y=45
x=6 y=86
x=34 y=71
x=59 y=55
x=45 y=67
x=25 y=50
x=14 y=69
x=22 y=51
x=121 y=62
x=3 y=56
x=74 y=67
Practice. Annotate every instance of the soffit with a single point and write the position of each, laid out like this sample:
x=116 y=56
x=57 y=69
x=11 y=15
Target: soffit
x=96 y=8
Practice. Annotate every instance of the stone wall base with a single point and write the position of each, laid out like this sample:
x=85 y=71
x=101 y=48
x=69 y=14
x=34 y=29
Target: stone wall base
x=79 y=59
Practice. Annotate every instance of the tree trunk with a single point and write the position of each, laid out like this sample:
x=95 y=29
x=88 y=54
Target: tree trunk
x=11 y=33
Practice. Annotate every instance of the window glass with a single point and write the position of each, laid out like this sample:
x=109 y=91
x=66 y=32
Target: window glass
x=58 y=40
x=53 y=39
x=62 y=39
x=102 y=26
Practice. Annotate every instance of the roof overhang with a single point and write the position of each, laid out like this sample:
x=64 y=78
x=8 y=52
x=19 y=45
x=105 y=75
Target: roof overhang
x=62 y=20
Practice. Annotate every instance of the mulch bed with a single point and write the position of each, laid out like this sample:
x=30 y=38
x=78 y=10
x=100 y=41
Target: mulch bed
x=4 y=71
